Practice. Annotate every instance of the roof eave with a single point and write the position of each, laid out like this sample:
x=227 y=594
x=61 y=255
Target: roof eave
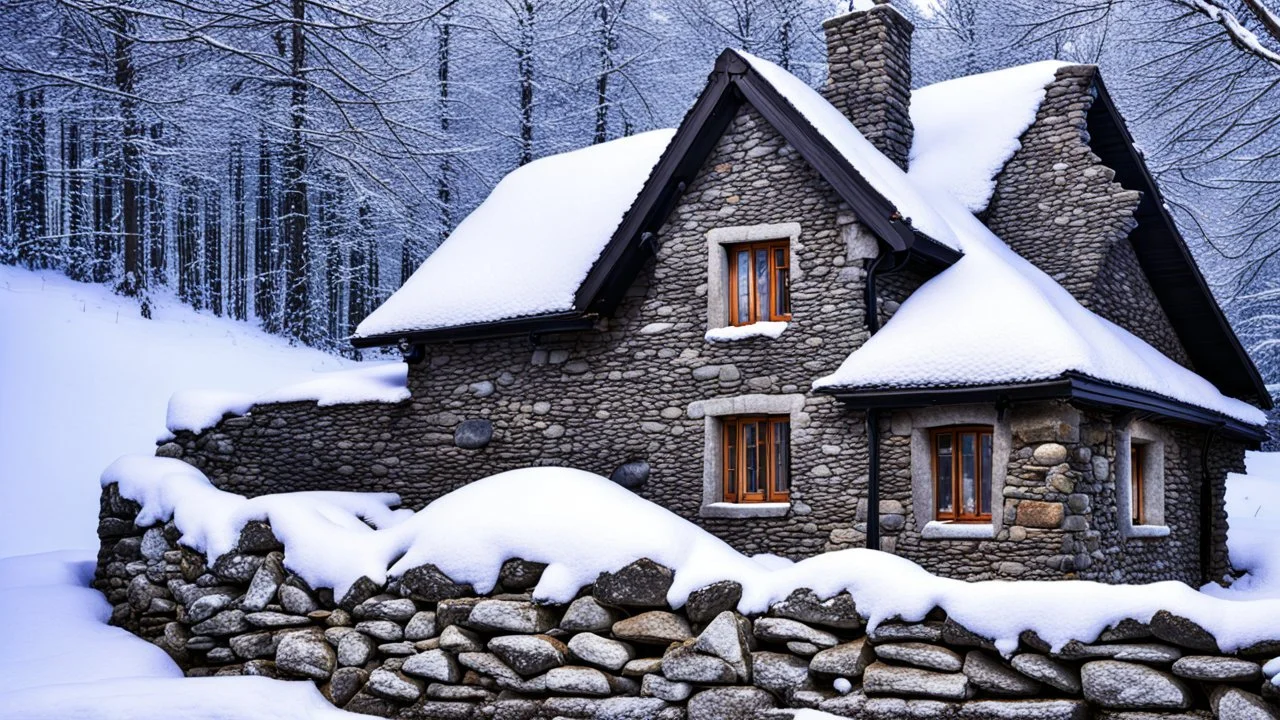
x=572 y=321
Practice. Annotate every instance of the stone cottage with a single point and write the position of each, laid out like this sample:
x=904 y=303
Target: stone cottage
x=957 y=325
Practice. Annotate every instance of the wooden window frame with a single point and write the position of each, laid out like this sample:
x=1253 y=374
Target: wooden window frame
x=957 y=515
x=734 y=456
x=753 y=313
x=1137 y=482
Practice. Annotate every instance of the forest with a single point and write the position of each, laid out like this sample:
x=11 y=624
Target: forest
x=291 y=162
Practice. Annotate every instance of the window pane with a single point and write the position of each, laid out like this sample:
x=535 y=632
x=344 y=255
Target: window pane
x=782 y=292
x=749 y=447
x=731 y=460
x=762 y=282
x=762 y=454
x=1135 y=483
x=781 y=457
x=744 y=287
x=968 y=474
x=986 y=474
x=943 y=461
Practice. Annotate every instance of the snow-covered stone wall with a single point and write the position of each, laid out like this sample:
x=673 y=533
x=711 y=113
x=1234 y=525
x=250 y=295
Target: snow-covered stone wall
x=425 y=646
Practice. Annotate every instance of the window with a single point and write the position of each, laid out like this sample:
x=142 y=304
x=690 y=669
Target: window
x=962 y=473
x=757 y=459
x=1137 y=460
x=759 y=282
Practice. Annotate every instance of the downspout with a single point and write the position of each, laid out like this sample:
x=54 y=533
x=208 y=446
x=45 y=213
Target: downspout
x=871 y=302
x=1206 y=510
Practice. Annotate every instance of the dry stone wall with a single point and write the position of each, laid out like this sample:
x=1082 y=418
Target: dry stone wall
x=423 y=646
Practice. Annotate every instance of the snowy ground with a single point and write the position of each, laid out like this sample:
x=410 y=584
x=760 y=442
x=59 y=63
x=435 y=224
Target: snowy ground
x=1253 y=506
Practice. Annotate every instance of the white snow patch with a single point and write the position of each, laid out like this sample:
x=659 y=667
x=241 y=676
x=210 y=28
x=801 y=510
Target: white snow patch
x=968 y=128
x=581 y=524
x=528 y=247
x=765 y=329
x=1253 y=512
x=197 y=410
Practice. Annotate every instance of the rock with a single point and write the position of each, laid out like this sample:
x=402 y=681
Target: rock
x=1126 y=630
x=851 y=704
x=141 y=592
x=656 y=627
x=205 y=607
x=658 y=686
x=463 y=693
x=630 y=708
x=517 y=575
x=236 y=567
x=1049 y=454
x=306 y=654
x=847 y=660
x=393 y=686
x=488 y=664
x=387 y=608
x=460 y=640
x=707 y=602
x=883 y=708
x=779 y=672
x=227 y=622
x=436 y=665
x=266 y=581
x=1048 y=671
x=642 y=666
x=345 y=683
x=682 y=663
x=254 y=645
x=631 y=475
x=444 y=710
x=297 y=601
x=362 y=589
x=1024 y=710
x=1181 y=631
x=726 y=637
x=355 y=649
x=1127 y=686
x=881 y=679
x=587 y=615
x=1039 y=514
x=421 y=626
x=272 y=619
x=529 y=654
x=455 y=611
x=515 y=616
x=381 y=630
x=1150 y=653
x=931 y=657
x=930 y=632
x=601 y=652
x=1231 y=703
x=366 y=703
x=577 y=680
x=781 y=630
x=256 y=538
x=221 y=655
x=729 y=703
x=426 y=583
x=804 y=605
x=987 y=673
x=154 y=544
x=803 y=649
x=643 y=583
x=473 y=434
x=1213 y=668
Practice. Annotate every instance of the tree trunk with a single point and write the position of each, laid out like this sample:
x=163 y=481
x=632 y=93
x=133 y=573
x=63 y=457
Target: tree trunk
x=264 y=243
x=157 y=227
x=104 y=210
x=295 y=183
x=605 y=68
x=524 y=65
x=237 y=258
x=444 y=185
x=213 y=247
x=79 y=254
x=135 y=274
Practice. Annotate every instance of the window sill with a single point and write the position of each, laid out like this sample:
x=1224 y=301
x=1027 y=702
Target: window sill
x=744 y=510
x=732 y=333
x=938 y=530
x=1147 y=531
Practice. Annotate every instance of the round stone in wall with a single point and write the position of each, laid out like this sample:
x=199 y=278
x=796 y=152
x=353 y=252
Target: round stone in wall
x=473 y=434
x=631 y=475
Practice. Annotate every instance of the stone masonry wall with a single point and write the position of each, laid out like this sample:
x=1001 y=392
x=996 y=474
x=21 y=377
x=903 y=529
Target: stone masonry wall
x=423 y=646
x=1057 y=205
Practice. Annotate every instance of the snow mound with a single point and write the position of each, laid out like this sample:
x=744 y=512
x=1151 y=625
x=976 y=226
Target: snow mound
x=198 y=410
x=764 y=329
x=1253 y=512
x=968 y=128
x=530 y=244
x=581 y=525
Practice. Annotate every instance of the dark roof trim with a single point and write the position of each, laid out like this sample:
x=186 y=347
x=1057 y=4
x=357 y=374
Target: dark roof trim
x=532 y=325
x=1073 y=386
x=1203 y=330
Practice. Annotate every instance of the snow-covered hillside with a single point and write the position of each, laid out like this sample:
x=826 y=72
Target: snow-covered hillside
x=85 y=379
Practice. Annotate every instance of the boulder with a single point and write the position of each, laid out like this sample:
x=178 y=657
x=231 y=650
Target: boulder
x=517 y=575
x=1127 y=686
x=305 y=653
x=706 y=603
x=1215 y=668
x=272 y=619
x=205 y=607
x=683 y=663
x=658 y=686
x=884 y=708
x=577 y=680
x=529 y=654
x=729 y=703
x=930 y=632
x=426 y=583
x=488 y=664
x=642 y=666
x=1024 y=710
x=381 y=630
x=846 y=660
x=344 y=684
x=436 y=665
x=804 y=605
x=600 y=651
x=256 y=538
x=460 y=640
x=455 y=611
x=385 y=607
x=421 y=626
x=1181 y=631
x=587 y=615
x=227 y=622
x=782 y=630
x=253 y=646
x=266 y=581
x=881 y=679
x=989 y=674
x=391 y=685
x=631 y=475
x=656 y=627
x=930 y=657
x=779 y=673
x=631 y=708
x=726 y=637
x=1232 y=703
x=473 y=434
x=1048 y=671
x=296 y=600
x=513 y=616
x=644 y=583
x=355 y=649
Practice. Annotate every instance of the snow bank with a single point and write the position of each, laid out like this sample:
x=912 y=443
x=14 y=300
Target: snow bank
x=197 y=410
x=63 y=661
x=581 y=524
x=764 y=329
x=528 y=247
x=967 y=129
x=1253 y=512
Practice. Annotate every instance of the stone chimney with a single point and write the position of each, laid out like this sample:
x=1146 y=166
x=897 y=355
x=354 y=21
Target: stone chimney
x=869 y=75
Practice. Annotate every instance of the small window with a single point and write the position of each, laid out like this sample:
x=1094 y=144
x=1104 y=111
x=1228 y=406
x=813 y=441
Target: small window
x=1137 y=460
x=757 y=459
x=962 y=473
x=759 y=282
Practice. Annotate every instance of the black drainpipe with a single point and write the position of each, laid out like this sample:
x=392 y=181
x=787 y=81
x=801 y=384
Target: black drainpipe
x=873 y=415
x=1206 y=510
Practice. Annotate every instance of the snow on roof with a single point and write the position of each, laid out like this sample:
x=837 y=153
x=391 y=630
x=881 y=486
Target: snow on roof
x=882 y=174
x=993 y=317
x=966 y=129
x=530 y=244
x=197 y=410
x=581 y=525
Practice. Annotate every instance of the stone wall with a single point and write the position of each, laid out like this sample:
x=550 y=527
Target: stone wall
x=426 y=647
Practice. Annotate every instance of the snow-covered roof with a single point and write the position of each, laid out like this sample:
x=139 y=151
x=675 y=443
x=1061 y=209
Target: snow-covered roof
x=527 y=248
x=968 y=128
